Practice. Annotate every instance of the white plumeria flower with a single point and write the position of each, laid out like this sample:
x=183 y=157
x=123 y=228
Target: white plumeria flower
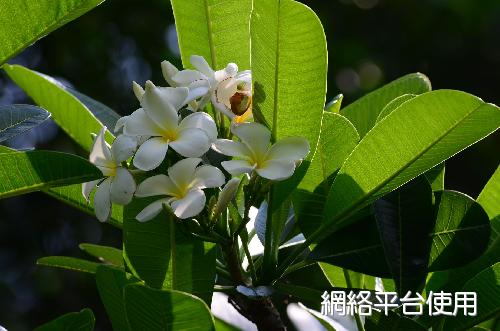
x=253 y=152
x=119 y=185
x=159 y=120
x=183 y=187
x=230 y=91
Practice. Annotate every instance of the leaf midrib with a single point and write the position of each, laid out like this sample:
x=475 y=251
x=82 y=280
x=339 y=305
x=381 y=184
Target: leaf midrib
x=210 y=35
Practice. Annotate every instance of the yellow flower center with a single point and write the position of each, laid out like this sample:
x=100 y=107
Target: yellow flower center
x=170 y=135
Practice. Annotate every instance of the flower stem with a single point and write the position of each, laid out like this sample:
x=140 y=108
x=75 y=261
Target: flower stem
x=249 y=258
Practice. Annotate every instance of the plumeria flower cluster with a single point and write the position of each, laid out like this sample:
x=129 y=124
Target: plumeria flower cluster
x=171 y=121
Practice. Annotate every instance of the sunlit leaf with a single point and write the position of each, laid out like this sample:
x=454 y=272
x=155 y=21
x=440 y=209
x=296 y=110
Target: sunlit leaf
x=363 y=112
x=77 y=321
x=159 y=310
x=24 y=172
x=24 y=22
x=70 y=263
x=105 y=254
x=67 y=111
x=215 y=29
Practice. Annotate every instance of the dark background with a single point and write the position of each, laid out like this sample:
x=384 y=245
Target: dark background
x=370 y=42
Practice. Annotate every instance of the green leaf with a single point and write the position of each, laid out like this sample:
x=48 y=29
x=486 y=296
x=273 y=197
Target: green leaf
x=380 y=322
x=72 y=195
x=67 y=111
x=459 y=235
x=453 y=280
x=289 y=65
x=334 y=105
x=327 y=325
x=221 y=325
x=104 y=114
x=24 y=22
x=404 y=220
x=363 y=112
x=486 y=285
x=218 y=30
x=435 y=176
x=77 y=321
x=337 y=140
x=489 y=199
x=105 y=254
x=415 y=137
x=152 y=310
x=159 y=253
x=24 y=172
x=391 y=106
x=110 y=283
x=70 y=263
x=16 y=119
x=461 y=231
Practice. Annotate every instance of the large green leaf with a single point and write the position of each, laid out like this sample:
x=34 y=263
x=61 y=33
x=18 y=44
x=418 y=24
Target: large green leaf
x=105 y=254
x=69 y=263
x=459 y=234
x=337 y=140
x=16 y=119
x=24 y=172
x=110 y=283
x=215 y=29
x=289 y=65
x=363 y=112
x=159 y=253
x=415 y=137
x=78 y=321
x=66 y=109
x=159 y=310
x=489 y=199
x=404 y=220
x=24 y=22
x=486 y=285
x=72 y=195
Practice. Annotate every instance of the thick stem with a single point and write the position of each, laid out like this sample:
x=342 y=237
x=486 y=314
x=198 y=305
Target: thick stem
x=348 y=282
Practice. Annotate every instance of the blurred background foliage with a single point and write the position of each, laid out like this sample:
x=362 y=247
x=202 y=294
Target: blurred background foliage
x=371 y=42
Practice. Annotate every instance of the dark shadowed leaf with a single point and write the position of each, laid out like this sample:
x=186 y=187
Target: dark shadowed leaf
x=16 y=119
x=77 y=321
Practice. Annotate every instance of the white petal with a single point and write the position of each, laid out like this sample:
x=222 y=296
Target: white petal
x=169 y=70
x=289 y=149
x=237 y=167
x=182 y=173
x=191 y=205
x=276 y=170
x=156 y=185
x=201 y=65
x=152 y=210
x=231 y=148
x=122 y=187
x=100 y=155
x=138 y=91
x=140 y=124
x=151 y=154
x=161 y=104
x=191 y=143
x=208 y=176
x=219 y=106
x=123 y=148
x=186 y=77
x=102 y=203
x=88 y=187
x=198 y=89
x=256 y=136
x=225 y=90
x=201 y=121
x=120 y=123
